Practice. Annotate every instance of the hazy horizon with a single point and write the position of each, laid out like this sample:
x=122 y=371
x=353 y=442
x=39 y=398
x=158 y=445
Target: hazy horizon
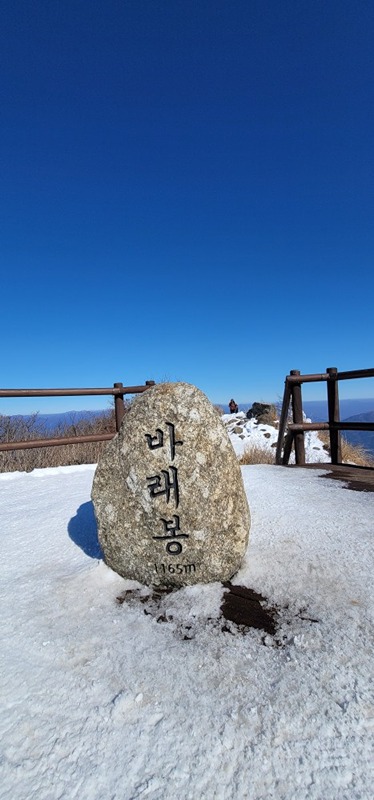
x=362 y=404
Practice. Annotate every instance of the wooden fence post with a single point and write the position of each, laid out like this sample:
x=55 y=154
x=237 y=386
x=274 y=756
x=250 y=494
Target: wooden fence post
x=297 y=416
x=282 y=426
x=288 y=442
x=119 y=406
x=334 y=415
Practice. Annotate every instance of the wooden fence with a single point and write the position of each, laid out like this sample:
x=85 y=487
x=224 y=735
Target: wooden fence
x=118 y=390
x=295 y=429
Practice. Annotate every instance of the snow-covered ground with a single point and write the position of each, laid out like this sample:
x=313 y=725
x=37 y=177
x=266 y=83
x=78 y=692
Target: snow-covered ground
x=247 y=433
x=103 y=702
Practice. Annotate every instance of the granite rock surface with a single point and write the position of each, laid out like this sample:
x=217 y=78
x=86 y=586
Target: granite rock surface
x=168 y=492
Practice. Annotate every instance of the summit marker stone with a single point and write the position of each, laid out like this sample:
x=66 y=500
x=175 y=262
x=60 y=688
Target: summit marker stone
x=168 y=492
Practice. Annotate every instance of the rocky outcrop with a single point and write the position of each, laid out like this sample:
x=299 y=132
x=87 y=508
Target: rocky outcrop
x=263 y=412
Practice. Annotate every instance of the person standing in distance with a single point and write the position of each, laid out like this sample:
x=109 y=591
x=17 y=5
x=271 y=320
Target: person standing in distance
x=233 y=407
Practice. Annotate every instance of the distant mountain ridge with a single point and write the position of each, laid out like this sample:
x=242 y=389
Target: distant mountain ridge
x=354 y=410
x=52 y=421
x=363 y=438
x=316 y=410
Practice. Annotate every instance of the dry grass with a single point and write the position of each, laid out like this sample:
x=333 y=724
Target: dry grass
x=253 y=454
x=351 y=453
x=16 y=429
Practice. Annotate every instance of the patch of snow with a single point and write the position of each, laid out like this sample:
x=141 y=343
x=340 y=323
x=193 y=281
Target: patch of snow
x=101 y=700
x=246 y=433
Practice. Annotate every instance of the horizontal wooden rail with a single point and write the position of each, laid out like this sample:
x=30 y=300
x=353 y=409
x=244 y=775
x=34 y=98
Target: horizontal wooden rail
x=325 y=376
x=356 y=373
x=325 y=426
x=33 y=443
x=118 y=390
x=307 y=378
x=111 y=390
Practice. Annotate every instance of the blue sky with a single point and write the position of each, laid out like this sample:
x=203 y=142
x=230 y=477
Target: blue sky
x=187 y=193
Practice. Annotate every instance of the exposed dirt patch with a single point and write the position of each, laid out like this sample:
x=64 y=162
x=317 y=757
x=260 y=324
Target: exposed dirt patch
x=248 y=608
x=241 y=610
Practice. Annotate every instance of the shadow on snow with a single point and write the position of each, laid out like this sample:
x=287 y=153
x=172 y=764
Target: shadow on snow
x=82 y=530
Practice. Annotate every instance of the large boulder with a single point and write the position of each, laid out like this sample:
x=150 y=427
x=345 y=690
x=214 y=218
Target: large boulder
x=263 y=412
x=168 y=492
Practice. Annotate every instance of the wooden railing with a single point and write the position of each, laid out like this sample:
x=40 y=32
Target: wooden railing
x=295 y=429
x=118 y=390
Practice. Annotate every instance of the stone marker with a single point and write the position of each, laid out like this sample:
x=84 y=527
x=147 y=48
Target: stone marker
x=168 y=492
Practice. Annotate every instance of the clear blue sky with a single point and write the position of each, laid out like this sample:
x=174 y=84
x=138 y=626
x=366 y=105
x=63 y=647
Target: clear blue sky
x=187 y=192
